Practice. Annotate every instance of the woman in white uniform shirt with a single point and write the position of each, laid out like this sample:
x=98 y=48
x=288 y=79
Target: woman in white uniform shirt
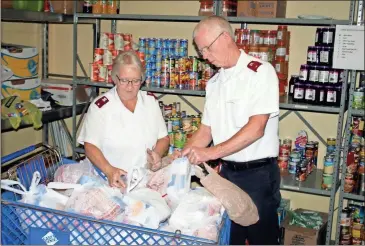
x=123 y=123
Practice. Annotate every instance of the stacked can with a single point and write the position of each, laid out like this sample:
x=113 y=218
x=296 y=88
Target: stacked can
x=352 y=224
x=328 y=169
x=110 y=45
x=284 y=153
x=180 y=126
x=294 y=160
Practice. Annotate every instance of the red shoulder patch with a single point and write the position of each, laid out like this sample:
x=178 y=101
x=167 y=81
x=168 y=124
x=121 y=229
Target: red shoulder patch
x=101 y=101
x=254 y=65
x=151 y=94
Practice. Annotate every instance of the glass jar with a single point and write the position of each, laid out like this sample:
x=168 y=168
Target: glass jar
x=264 y=53
x=328 y=36
x=265 y=37
x=325 y=55
x=272 y=37
x=319 y=36
x=280 y=51
x=304 y=71
x=309 y=93
x=312 y=55
x=282 y=33
x=331 y=93
x=313 y=73
x=323 y=75
x=293 y=79
x=299 y=89
x=333 y=76
x=254 y=37
x=279 y=66
x=254 y=51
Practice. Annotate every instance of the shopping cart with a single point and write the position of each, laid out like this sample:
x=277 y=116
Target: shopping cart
x=28 y=224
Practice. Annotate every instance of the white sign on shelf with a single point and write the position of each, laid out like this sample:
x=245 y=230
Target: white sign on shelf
x=349 y=47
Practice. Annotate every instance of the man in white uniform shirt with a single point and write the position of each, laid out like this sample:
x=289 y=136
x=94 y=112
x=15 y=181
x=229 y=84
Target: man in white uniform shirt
x=241 y=118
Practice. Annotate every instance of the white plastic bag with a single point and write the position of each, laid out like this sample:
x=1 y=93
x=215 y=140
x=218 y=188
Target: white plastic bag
x=38 y=194
x=146 y=207
x=179 y=180
x=71 y=173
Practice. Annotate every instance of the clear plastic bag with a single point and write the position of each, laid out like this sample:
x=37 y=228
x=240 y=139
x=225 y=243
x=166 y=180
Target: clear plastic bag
x=72 y=173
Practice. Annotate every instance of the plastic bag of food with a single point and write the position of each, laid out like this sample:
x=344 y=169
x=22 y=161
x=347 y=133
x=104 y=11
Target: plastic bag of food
x=16 y=110
x=239 y=205
x=71 y=173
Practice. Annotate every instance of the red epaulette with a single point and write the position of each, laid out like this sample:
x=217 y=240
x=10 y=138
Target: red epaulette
x=101 y=101
x=254 y=65
x=151 y=94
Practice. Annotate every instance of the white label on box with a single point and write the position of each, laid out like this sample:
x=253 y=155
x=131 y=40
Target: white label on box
x=349 y=47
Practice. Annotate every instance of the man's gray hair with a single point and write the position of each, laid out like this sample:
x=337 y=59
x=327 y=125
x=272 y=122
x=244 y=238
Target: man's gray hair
x=214 y=23
x=129 y=57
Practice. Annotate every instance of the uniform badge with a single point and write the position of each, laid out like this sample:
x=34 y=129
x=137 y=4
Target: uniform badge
x=101 y=101
x=254 y=65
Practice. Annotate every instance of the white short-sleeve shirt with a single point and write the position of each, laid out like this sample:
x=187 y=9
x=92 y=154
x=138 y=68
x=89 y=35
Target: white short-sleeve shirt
x=234 y=95
x=123 y=136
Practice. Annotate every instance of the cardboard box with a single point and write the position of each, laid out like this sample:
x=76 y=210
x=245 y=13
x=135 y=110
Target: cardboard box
x=295 y=235
x=21 y=62
x=246 y=8
x=26 y=89
x=271 y=9
x=262 y=9
x=62 y=91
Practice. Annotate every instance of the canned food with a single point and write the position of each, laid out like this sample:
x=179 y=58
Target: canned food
x=178 y=107
x=356 y=241
x=284 y=150
x=173 y=111
x=173 y=80
x=193 y=80
x=356 y=230
x=165 y=52
x=283 y=164
x=175 y=123
x=182 y=52
x=288 y=142
x=157 y=81
x=109 y=76
x=98 y=56
x=104 y=40
x=349 y=183
x=187 y=124
x=111 y=41
x=127 y=38
x=184 y=43
x=345 y=242
x=103 y=73
x=172 y=52
x=183 y=114
x=196 y=123
x=94 y=71
x=292 y=166
x=108 y=57
x=315 y=152
x=165 y=43
x=151 y=43
x=328 y=165
x=174 y=43
x=114 y=54
x=159 y=42
x=142 y=42
x=301 y=171
x=345 y=232
x=179 y=139
x=327 y=181
x=172 y=65
x=165 y=80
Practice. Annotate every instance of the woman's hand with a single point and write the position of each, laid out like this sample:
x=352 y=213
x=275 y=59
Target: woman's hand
x=114 y=176
x=154 y=161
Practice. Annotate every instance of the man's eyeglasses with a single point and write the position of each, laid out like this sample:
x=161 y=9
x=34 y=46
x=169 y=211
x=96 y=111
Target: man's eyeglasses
x=134 y=82
x=207 y=48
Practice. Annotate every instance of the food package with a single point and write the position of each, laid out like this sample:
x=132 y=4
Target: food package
x=72 y=173
x=239 y=205
x=16 y=111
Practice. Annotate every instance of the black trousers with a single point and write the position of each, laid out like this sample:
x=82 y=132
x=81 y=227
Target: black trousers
x=262 y=184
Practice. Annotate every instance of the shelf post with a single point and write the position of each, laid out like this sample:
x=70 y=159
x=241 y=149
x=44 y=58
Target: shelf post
x=74 y=82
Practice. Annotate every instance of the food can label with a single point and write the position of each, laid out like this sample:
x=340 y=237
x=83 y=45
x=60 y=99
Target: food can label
x=280 y=35
x=324 y=56
x=103 y=72
x=108 y=57
x=94 y=72
x=299 y=93
x=331 y=96
x=310 y=94
x=281 y=51
x=313 y=75
x=333 y=76
x=104 y=40
x=119 y=41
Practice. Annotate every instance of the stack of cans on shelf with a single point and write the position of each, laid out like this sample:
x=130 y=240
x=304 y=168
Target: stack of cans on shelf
x=110 y=45
x=355 y=171
x=180 y=126
x=168 y=66
x=352 y=224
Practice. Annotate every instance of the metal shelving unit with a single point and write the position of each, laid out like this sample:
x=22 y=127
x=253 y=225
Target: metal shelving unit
x=350 y=113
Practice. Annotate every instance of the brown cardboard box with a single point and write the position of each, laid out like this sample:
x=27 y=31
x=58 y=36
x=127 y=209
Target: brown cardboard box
x=271 y=9
x=246 y=8
x=262 y=9
x=295 y=235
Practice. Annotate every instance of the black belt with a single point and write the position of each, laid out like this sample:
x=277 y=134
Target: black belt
x=239 y=166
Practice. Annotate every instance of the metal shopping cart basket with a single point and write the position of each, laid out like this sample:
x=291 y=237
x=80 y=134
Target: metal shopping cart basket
x=28 y=224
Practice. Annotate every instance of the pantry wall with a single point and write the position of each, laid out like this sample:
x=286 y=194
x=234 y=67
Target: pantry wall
x=60 y=62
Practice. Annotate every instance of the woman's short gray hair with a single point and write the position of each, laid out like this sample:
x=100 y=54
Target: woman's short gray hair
x=129 y=57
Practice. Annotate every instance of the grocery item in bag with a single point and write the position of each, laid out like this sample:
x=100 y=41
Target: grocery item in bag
x=239 y=205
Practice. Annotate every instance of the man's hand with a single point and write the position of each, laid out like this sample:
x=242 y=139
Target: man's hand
x=154 y=161
x=114 y=177
x=197 y=155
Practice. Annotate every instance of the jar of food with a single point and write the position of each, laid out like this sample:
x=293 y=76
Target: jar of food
x=319 y=90
x=254 y=51
x=206 y=8
x=254 y=38
x=265 y=37
x=272 y=37
x=313 y=74
x=299 y=88
x=319 y=36
x=292 y=81
x=323 y=75
x=279 y=66
x=330 y=98
x=333 y=76
x=304 y=71
x=264 y=53
x=280 y=51
x=246 y=36
x=325 y=55
x=238 y=35
x=328 y=36
x=282 y=33
x=312 y=55
x=309 y=92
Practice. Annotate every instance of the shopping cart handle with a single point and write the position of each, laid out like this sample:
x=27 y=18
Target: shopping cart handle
x=18 y=153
